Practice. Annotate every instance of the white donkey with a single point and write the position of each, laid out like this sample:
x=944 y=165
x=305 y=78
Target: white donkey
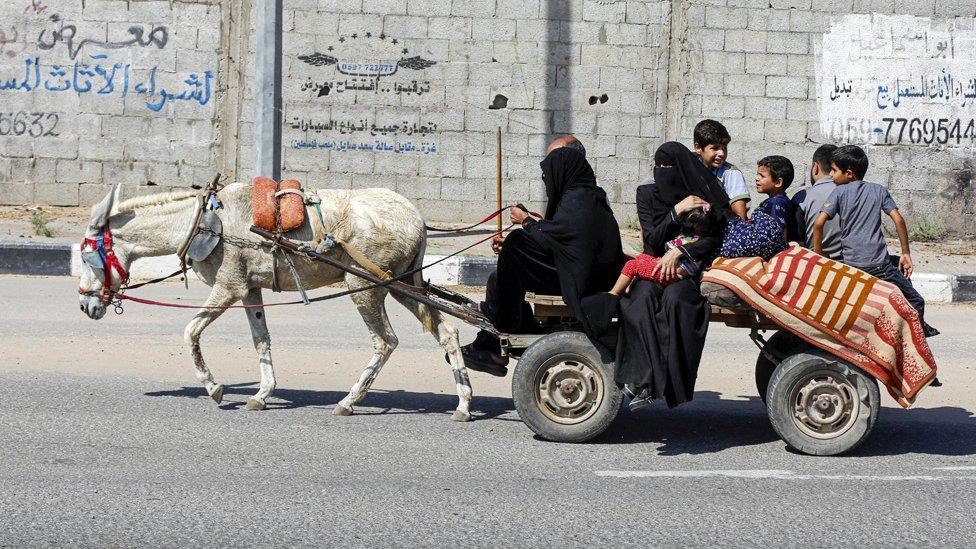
x=382 y=224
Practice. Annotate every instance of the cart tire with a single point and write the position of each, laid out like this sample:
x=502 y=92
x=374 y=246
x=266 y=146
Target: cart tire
x=820 y=405
x=781 y=344
x=564 y=388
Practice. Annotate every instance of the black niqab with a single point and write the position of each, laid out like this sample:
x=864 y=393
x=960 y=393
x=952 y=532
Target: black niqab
x=579 y=229
x=678 y=173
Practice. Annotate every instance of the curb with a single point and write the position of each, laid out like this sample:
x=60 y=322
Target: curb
x=65 y=259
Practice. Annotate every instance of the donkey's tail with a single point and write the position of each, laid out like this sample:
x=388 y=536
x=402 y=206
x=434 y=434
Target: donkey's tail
x=427 y=316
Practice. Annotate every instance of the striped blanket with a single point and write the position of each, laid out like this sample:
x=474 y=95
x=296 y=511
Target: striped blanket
x=840 y=309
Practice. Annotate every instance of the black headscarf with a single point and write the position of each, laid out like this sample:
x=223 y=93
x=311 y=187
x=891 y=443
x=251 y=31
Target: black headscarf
x=686 y=176
x=678 y=173
x=579 y=228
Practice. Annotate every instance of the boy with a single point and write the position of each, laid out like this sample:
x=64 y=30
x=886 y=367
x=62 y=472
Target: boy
x=774 y=174
x=810 y=200
x=711 y=141
x=773 y=225
x=859 y=205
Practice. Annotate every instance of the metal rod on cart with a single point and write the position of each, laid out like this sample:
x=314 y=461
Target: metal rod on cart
x=498 y=175
x=394 y=286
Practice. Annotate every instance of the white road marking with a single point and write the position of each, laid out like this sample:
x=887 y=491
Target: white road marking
x=775 y=474
x=957 y=468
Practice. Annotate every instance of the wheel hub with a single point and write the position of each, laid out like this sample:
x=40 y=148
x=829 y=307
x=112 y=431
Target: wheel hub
x=569 y=389
x=825 y=405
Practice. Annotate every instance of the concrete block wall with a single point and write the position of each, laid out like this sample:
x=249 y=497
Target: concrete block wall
x=99 y=92
x=396 y=93
x=758 y=67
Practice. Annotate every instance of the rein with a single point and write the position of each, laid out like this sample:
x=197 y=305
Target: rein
x=116 y=297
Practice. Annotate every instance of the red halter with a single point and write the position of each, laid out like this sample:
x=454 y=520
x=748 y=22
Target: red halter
x=102 y=245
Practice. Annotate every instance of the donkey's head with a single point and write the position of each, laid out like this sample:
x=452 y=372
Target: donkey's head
x=105 y=264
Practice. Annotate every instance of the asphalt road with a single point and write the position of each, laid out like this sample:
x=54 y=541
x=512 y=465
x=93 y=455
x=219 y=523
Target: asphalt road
x=108 y=440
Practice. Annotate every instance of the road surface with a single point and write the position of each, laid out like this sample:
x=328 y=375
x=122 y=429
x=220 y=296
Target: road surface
x=109 y=440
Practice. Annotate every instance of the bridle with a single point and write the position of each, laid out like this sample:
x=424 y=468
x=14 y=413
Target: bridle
x=99 y=254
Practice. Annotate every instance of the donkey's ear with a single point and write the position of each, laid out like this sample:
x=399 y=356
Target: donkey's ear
x=103 y=210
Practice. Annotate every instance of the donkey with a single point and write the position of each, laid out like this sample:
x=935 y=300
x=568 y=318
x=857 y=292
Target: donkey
x=382 y=224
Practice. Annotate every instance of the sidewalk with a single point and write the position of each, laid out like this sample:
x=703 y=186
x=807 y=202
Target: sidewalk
x=946 y=271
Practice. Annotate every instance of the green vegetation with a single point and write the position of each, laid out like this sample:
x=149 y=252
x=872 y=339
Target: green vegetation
x=39 y=221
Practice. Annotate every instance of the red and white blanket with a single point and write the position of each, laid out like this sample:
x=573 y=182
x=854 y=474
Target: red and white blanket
x=840 y=309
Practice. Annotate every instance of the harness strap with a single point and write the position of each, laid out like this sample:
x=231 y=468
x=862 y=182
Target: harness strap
x=363 y=261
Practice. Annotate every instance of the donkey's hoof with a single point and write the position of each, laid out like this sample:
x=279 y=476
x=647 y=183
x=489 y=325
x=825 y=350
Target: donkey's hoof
x=341 y=410
x=254 y=405
x=461 y=416
x=218 y=394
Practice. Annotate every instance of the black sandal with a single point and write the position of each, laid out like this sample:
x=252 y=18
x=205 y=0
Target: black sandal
x=481 y=361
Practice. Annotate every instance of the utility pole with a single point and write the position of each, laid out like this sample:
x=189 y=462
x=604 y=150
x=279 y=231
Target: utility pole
x=267 y=90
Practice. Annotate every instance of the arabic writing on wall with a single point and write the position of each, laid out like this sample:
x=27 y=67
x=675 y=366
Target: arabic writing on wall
x=108 y=79
x=347 y=127
x=45 y=54
x=372 y=71
x=898 y=80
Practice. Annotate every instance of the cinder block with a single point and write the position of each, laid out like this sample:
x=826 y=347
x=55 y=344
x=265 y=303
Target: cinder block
x=745 y=84
x=726 y=18
x=75 y=171
x=517 y=9
x=450 y=28
x=745 y=40
x=385 y=7
x=494 y=30
x=16 y=193
x=787 y=86
x=419 y=187
x=720 y=106
x=344 y=6
x=786 y=131
x=955 y=8
x=56 y=194
x=790 y=4
x=595 y=10
x=473 y=8
x=56 y=147
x=404 y=26
x=769 y=64
x=765 y=107
x=769 y=19
x=787 y=42
x=93 y=193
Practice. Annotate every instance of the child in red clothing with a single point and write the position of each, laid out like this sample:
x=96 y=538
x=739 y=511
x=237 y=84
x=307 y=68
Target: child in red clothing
x=694 y=224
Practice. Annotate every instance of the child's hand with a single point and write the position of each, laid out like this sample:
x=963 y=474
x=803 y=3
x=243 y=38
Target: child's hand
x=906 y=266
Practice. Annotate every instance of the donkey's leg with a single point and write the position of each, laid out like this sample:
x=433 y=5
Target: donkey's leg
x=373 y=311
x=219 y=297
x=262 y=344
x=447 y=336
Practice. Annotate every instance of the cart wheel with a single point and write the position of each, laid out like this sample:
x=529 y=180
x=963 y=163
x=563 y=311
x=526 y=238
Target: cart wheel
x=564 y=389
x=781 y=344
x=821 y=405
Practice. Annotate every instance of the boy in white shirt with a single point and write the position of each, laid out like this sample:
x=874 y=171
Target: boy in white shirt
x=711 y=141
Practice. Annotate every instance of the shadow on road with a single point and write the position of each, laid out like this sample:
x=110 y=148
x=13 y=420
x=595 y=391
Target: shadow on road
x=944 y=431
x=711 y=424
x=377 y=402
x=705 y=425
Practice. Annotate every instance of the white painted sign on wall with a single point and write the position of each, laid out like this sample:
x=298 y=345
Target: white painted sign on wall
x=898 y=80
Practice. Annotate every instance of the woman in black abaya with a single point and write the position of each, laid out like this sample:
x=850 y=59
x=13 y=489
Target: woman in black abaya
x=662 y=329
x=574 y=251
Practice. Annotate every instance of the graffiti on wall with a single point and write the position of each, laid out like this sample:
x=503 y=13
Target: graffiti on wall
x=44 y=55
x=898 y=80
x=377 y=71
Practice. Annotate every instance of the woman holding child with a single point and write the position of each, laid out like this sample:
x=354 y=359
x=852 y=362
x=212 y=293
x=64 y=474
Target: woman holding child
x=663 y=324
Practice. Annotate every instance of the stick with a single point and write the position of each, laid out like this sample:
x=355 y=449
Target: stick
x=498 y=174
